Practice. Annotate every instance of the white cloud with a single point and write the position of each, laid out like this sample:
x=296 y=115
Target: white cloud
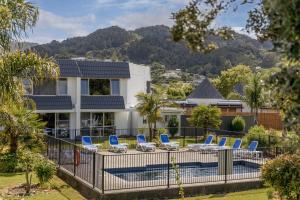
x=73 y=26
x=133 y=20
x=242 y=30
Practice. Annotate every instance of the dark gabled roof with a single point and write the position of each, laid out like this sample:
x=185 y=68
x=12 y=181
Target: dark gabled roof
x=102 y=102
x=205 y=90
x=93 y=69
x=52 y=102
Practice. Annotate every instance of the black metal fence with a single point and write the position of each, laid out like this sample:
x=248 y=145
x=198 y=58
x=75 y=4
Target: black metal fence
x=110 y=171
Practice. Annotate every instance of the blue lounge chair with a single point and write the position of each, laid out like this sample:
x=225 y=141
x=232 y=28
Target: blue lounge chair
x=115 y=146
x=88 y=144
x=237 y=144
x=166 y=144
x=143 y=145
x=197 y=147
x=220 y=145
x=250 y=152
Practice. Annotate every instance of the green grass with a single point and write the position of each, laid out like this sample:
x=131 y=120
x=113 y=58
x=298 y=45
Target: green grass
x=259 y=194
x=60 y=190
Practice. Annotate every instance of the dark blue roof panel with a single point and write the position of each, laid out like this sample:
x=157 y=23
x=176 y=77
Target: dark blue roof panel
x=102 y=102
x=52 y=102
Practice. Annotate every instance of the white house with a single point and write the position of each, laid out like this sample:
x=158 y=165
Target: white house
x=91 y=96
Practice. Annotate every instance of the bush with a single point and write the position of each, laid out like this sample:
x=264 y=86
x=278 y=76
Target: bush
x=259 y=134
x=173 y=126
x=45 y=171
x=9 y=163
x=238 y=124
x=283 y=174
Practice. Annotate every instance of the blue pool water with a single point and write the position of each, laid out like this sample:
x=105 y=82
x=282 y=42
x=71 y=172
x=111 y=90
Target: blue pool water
x=160 y=172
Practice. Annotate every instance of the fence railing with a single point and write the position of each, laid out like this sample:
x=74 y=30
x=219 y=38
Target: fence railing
x=109 y=171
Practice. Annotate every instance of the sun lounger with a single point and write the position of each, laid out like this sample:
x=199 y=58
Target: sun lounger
x=88 y=144
x=197 y=147
x=143 y=145
x=115 y=146
x=166 y=144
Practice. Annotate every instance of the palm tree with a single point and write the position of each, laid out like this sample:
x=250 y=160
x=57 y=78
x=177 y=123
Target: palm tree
x=254 y=94
x=22 y=128
x=150 y=105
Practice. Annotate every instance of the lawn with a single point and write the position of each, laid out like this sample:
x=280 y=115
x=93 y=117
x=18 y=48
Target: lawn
x=60 y=190
x=259 y=194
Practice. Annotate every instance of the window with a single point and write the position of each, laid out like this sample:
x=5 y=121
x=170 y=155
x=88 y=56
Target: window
x=62 y=120
x=99 y=86
x=27 y=84
x=97 y=120
x=85 y=120
x=47 y=87
x=115 y=87
x=49 y=118
x=62 y=86
x=108 y=119
x=84 y=87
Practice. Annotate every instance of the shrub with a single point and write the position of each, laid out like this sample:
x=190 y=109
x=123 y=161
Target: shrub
x=173 y=126
x=9 y=163
x=259 y=134
x=283 y=174
x=238 y=124
x=45 y=171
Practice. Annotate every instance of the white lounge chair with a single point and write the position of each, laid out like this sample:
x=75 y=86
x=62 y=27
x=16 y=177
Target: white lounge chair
x=88 y=144
x=166 y=144
x=197 y=147
x=143 y=145
x=115 y=146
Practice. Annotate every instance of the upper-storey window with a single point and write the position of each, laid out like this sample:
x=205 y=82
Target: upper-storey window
x=62 y=86
x=115 y=87
x=27 y=85
x=99 y=86
x=84 y=86
x=47 y=87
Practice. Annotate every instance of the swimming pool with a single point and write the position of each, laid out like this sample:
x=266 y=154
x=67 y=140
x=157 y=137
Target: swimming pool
x=196 y=169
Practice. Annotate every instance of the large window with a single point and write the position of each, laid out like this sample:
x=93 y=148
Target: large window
x=62 y=120
x=99 y=86
x=62 y=86
x=97 y=123
x=47 y=87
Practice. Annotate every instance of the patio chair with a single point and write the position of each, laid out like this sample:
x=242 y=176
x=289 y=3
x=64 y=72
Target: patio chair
x=166 y=144
x=250 y=152
x=115 y=146
x=88 y=144
x=197 y=147
x=215 y=147
x=142 y=145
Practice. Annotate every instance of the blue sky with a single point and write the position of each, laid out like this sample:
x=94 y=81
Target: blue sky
x=61 y=19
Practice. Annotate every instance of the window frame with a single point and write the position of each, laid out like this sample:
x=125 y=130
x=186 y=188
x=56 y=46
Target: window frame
x=110 y=87
x=57 y=87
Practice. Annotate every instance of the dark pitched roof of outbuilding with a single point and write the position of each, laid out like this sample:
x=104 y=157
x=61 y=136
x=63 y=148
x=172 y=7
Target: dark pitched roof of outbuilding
x=93 y=69
x=52 y=102
x=102 y=102
x=205 y=90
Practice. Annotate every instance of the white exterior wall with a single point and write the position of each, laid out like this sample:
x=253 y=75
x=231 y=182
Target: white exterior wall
x=139 y=75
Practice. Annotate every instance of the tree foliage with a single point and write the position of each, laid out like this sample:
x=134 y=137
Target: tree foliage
x=179 y=90
x=231 y=77
x=283 y=174
x=16 y=17
x=173 y=126
x=22 y=128
x=205 y=117
x=238 y=124
x=157 y=71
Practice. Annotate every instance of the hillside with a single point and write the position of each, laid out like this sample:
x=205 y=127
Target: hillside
x=149 y=44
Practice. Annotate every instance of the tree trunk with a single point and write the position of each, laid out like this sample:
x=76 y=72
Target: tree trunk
x=256 y=116
x=13 y=145
x=28 y=181
x=150 y=131
x=154 y=131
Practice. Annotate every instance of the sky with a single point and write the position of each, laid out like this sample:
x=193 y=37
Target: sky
x=62 y=19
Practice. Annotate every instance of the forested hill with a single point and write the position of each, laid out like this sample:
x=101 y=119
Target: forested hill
x=154 y=44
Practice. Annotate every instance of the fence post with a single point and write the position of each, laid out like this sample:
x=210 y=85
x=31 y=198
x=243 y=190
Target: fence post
x=226 y=152
x=102 y=174
x=74 y=159
x=168 y=184
x=59 y=152
x=94 y=169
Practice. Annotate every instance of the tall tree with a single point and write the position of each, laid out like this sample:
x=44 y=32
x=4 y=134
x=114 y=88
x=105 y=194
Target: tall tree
x=228 y=79
x=157 y=70
x=205 y=117
x=254 y=94
x=149 y=106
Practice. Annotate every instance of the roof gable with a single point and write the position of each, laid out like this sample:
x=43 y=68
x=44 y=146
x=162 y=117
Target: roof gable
x=205 y=90
x=93 y=69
